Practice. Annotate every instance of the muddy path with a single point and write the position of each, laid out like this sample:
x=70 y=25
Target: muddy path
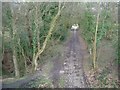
x=73 y=63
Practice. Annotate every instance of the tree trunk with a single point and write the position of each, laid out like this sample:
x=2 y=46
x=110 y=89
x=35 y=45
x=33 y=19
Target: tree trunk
x=14 y=19
x=14 y=52
x=95 y=41
x=15 y=64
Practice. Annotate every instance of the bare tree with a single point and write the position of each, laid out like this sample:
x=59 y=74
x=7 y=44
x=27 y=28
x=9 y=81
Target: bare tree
x=52 y=25
x=14 y=20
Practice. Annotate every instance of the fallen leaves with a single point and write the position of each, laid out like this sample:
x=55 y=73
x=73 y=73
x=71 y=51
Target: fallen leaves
x=102 y=79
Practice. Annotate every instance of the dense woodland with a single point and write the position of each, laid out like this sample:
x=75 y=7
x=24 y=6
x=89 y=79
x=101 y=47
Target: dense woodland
x=32 y=34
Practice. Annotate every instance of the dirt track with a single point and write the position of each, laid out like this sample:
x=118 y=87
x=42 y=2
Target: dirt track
x=73 y=63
